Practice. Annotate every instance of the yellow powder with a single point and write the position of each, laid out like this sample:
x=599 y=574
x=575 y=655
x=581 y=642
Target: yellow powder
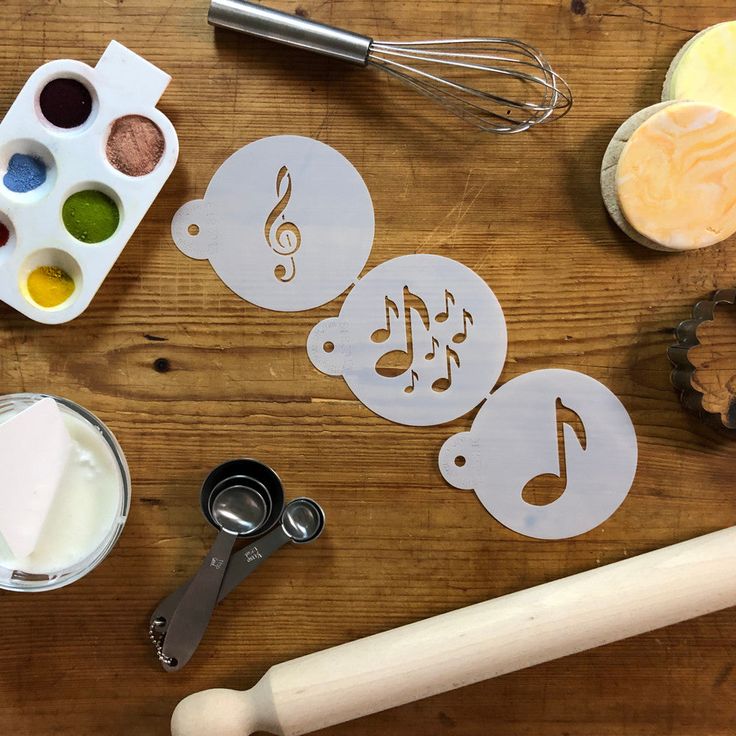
x=50 y=286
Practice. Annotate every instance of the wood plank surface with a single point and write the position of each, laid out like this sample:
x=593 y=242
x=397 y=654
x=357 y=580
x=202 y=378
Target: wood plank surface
x=186 y=374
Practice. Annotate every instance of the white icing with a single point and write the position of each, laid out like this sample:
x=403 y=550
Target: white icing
x=28 y=487
x=84 y=509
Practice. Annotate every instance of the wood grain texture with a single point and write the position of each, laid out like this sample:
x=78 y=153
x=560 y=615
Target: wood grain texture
x=525 y=212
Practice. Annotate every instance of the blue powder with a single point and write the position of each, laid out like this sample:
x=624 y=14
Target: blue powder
x=25 y=173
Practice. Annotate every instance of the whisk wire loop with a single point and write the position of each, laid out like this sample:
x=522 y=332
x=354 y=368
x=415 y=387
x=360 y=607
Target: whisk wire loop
x=476 y=67
x=460 y=87
x=504 y=60
x=480 y=117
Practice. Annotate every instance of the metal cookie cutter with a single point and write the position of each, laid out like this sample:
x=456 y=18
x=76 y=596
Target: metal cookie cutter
x=684 y=370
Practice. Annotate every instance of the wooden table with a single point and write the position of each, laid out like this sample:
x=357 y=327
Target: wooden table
x=186 y=374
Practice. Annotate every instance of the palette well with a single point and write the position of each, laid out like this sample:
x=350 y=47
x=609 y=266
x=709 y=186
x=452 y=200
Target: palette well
x=83 y=154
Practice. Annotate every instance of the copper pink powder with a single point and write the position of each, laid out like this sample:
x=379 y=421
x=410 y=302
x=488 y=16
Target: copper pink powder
x=135 y=145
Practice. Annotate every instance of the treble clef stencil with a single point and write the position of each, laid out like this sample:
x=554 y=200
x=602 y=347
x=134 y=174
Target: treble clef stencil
x=283 y=237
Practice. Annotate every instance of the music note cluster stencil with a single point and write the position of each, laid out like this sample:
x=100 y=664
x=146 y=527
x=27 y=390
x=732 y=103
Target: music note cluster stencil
x=400 y=361
x=420 y=340
x=283 y=237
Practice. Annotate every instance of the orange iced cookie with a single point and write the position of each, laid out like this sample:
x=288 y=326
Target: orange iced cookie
x=676 y=176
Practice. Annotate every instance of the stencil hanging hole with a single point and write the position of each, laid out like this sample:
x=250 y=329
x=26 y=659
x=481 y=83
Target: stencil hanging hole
x=194 y=230
x=325 y=346
x=456 y=461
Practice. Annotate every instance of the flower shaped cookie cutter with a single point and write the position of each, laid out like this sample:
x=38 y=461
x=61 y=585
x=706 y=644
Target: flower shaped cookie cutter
x=684 y=373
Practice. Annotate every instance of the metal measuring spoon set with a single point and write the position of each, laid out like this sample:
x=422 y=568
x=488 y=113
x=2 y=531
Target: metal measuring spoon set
x=242 y=499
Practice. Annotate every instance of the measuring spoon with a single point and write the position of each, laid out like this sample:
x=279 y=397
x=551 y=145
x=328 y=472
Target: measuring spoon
x=239 y=505
x=302 y=521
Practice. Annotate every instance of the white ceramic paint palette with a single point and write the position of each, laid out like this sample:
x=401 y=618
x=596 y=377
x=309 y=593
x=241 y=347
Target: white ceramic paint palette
x=420 y=340
x=514 y=440
x=83 y=154
x=286 y=222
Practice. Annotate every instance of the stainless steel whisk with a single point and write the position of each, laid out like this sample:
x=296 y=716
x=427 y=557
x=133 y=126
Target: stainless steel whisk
x=512 y=65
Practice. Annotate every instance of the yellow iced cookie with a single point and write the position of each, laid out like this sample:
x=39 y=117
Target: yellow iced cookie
x=705 y=68
x=676 y=176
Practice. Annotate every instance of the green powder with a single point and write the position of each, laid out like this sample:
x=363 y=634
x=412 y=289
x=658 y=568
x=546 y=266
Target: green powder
x=90 y=216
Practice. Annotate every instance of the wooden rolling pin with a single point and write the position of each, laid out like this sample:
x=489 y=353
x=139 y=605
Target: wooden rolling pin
x=474 y=643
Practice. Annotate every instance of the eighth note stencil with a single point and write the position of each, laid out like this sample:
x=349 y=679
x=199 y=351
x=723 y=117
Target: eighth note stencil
x=286 y=222
x=526 y=431
x=420 y=340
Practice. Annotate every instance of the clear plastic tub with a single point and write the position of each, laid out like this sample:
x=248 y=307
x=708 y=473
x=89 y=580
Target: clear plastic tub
x=25 y=581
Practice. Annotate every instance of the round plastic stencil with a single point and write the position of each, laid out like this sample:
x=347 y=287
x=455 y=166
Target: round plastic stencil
x=420 y=340
x=515 y=439
x=286 y=222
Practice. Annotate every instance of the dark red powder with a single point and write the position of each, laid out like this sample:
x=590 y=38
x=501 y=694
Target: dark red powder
x=4 y=234
x=65 y=103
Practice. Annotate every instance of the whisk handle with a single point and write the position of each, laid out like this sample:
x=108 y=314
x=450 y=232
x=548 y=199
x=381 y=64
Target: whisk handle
x=292 y=30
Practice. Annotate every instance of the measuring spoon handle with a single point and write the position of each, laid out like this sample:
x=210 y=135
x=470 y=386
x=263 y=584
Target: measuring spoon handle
x=242 y=564
x=165 y=609
x=248 y=559
x=192 y=615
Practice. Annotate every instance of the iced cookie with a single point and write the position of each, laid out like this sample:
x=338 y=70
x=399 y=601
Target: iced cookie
x=705 y=68
x=669 y=176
